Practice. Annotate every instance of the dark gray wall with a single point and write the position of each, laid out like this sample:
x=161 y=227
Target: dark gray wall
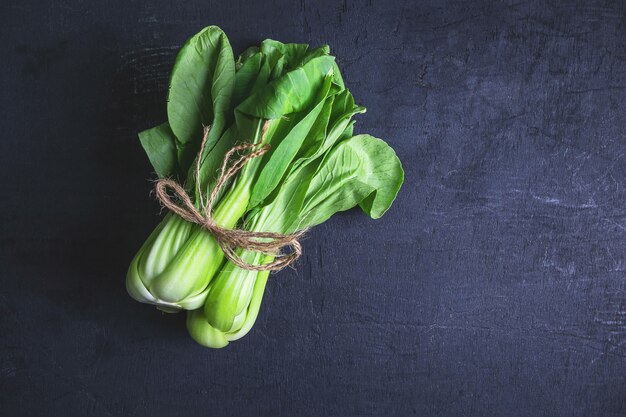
x=494 y=287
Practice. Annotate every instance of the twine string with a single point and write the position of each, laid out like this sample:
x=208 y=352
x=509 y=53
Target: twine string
x=174 y=197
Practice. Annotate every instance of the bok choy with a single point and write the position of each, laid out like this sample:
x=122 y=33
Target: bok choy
x=289 y=99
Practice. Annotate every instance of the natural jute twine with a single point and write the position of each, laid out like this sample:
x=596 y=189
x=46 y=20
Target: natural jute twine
x=230 y=239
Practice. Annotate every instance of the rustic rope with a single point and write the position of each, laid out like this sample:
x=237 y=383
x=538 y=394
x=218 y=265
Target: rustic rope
x=230 y=239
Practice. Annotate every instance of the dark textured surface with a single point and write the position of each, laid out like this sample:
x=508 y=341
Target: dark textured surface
x=496 y=286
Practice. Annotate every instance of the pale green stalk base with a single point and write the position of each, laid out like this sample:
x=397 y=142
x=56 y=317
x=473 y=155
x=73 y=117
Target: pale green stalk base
x=206 y=335
x=174 y=267
x=231 y=291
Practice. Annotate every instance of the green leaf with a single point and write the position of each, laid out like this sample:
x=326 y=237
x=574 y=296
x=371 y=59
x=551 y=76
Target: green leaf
x=247 y=125
x=251 y=74
x=283 y=56
x=245 y=55
x=337 y=185
x=360 y=161
x=212 y=162
x=315 y=53
x=160 y=146
x=246 y=77
x=340 y=118
x=294 y=91
x=200 y=92
x=361 y=170
x=381 y=169
x=318 y=133
x=338 y=79
x=286 y=149
x=348 y=131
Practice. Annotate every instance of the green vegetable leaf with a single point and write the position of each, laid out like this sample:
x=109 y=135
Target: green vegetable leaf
x=315 y=53
x=251 y=51
x=348 y=131
x=361 y=170
x=340 y=118
x=246 y=77
x=213 y=160
x=283 y=56
x=283 y=154
x=317 y=134
x=337 y=185
x=160 y=146
x=338 y=79
x=381 y=169
x=200 y=92
x=365 y=159
x=294 y=91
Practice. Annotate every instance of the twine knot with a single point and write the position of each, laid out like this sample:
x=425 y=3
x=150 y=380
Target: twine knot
x=230 y=239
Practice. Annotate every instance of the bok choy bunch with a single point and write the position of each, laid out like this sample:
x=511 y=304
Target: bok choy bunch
x=289 y=98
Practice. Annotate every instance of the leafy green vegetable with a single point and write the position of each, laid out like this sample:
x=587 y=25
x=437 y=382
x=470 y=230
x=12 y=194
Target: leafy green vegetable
x=200 y=93
x=290 y=98
x=160 y=146
x=183 y=280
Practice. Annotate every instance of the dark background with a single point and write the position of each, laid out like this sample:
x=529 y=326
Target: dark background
x=495 y=286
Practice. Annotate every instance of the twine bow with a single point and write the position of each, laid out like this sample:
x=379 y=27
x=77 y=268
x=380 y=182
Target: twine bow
x=230 y=239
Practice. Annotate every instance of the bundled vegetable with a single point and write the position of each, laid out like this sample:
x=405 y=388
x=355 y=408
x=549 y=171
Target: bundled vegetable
x=283 y=113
